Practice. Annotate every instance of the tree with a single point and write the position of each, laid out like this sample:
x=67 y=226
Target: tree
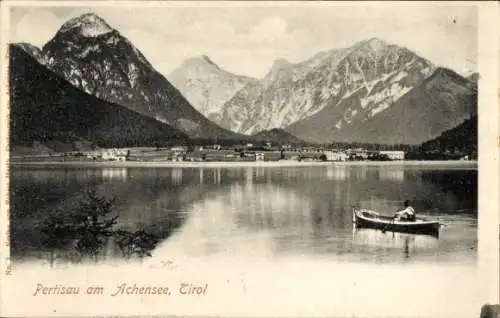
x=137 y=243
x=88 y=226
x=92 y=224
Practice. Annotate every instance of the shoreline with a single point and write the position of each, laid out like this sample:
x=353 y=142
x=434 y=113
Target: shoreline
x=219 y=164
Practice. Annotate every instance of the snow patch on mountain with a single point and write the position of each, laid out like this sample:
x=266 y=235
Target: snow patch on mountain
x=83 y=54
x=399 y=76
x=388 y=95
x=427 y=71
x=133 y=74
x=380 y=107
x=100 y=61
x=89 y=25
x=369 y=76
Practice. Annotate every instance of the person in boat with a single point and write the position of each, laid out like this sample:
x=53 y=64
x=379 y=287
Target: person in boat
x=407 y=214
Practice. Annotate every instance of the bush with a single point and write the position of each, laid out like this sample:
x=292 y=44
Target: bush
x=92 y=224
x=87 y=228
x=137 y=243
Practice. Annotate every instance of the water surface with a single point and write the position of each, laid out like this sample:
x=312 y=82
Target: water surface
x=263 y=212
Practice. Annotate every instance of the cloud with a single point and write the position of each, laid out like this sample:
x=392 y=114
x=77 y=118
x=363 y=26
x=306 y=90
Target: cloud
x=33 y=26
x=248 y=39
x=269 y=29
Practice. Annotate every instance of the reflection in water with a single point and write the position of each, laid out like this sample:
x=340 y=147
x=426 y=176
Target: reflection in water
x=201 y=176
x=114 y=173
x=177 y=175
x=259 y=173
x=265 y=211
x=249 y=178
x=337 y=172
x=211 y=230
x=216 y=176
x=270 y=207
x=407 y=244
x=393 y=173
x=360 y=173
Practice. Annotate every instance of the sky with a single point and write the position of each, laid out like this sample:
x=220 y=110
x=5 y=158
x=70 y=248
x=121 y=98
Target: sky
x=246 y=38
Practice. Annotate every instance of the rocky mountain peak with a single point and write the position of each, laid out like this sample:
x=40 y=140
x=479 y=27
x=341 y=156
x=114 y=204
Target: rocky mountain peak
x=375 y=43
x=281 y=64
x=205 y=85
x=281 y=71
x=201 y=62
x=97 y=59
x=27 y=46
x=89 y=25
x=372 y=46
x=207 y=59
x=353 y=84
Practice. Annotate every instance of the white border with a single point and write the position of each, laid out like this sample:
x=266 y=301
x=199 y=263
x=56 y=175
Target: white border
x=489 y=117
x=489 y=145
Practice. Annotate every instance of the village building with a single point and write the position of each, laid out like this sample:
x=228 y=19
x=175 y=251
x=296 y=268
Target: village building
x=178 y=153
x=179 y=149
x=357 y=154
x=177 y=158
x=335 y=156
x=114 y=154
x=393 y=154
x=93 y=155
x=309 y=149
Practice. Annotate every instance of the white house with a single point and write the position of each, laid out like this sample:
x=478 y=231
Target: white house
x=393 y=154
x=179 y=149
x=115 y=154
x=335 y=156
x=259 y=156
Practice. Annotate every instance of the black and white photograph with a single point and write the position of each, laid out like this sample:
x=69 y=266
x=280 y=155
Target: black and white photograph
x=243 y=159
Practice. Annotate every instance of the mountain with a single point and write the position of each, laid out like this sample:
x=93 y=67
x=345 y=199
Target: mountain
x=46 y=109
x=372 y=92
x=277 y=135
x=441 y=102
x=462 y=138
x=474 y=77
x=454 y=143
x=372 y=73
x=32 y=50
x=97 y=59
x=206 y=86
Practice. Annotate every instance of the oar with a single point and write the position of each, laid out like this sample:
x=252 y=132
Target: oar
x=385 y=227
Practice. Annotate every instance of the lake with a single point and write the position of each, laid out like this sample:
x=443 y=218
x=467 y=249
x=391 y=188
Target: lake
x=257 y=213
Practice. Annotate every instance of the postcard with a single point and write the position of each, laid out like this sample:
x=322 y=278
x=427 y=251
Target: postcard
x=249 y=159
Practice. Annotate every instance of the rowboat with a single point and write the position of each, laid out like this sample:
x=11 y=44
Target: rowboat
x=363 y=218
